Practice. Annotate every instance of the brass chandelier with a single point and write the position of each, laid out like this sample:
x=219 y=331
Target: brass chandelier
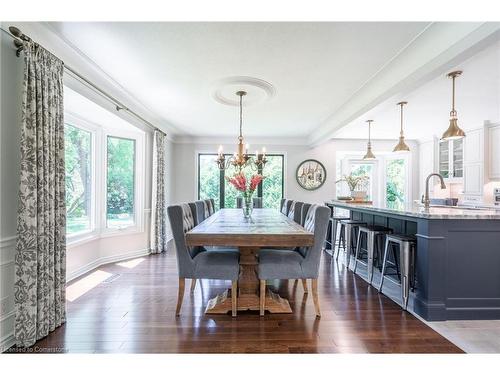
x=401 y=146
x=241 y=159
x=453 y=131
x=369 y=154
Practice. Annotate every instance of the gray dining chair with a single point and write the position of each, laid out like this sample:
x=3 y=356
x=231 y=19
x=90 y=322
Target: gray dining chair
x=257 y=202
x=202 y=213
x=303 y=214
x=195 y=262
x=285 y=206
x=295 y=212
x=292 y=264
x=210 y=207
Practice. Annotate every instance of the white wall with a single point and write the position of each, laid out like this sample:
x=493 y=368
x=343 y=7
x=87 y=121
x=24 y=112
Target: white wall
x=80 y=258
x=11 y=78
x=185 y=159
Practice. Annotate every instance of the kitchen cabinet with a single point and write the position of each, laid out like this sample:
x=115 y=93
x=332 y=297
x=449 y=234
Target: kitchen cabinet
x=473 y=165
x=494 y=151
x=451 y=159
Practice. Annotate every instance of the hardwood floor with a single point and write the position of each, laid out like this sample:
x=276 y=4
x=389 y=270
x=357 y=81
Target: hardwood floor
x=134 y=312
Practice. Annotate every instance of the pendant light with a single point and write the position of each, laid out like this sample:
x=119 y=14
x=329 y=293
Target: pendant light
x=401 y=146
x=453 y=131
x=369 y=154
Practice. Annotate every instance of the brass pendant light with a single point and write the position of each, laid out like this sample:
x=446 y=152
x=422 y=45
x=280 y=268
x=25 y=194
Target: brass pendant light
x=401 y=146
x=453 y=131
x=369 y=154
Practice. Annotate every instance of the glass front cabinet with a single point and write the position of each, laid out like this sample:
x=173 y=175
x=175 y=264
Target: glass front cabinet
x=451 y=159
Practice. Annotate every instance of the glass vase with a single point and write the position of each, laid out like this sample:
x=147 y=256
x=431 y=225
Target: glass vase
x=247 y=206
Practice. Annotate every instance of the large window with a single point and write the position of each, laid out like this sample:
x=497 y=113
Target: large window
x=120 y=182
x=395 y=183
x=78 y=154
x=212 y=182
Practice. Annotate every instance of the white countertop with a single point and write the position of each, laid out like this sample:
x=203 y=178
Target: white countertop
x=415 y=210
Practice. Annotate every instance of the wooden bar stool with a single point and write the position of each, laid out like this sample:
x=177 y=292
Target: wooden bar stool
x=407 y=250
x=374 y=240
x=350 y=228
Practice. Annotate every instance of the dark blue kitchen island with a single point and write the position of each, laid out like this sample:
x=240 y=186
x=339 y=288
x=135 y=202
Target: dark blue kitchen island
x=457 y=258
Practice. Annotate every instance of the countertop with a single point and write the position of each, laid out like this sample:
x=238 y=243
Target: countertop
x=418 y=211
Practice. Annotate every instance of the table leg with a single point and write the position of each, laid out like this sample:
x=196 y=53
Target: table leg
x=248 y=290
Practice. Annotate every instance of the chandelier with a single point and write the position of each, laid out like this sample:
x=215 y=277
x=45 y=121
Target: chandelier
x=241 y=159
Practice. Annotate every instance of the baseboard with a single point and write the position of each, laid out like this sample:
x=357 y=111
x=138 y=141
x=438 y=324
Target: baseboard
x=105 y=260
x=7 y=342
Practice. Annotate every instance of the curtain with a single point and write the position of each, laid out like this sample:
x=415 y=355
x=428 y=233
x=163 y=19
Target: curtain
x=40 y=260
x=158 y=202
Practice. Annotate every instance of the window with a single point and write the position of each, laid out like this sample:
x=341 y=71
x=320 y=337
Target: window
x=120 y=182
x=362 y=169
x=79 y=179
x=395 y=183
x=212 y=182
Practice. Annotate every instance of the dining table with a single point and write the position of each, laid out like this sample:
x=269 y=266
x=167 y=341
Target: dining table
x=265 y=228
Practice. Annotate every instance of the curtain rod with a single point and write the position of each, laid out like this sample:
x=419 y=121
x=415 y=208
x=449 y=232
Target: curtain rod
x=18 y=36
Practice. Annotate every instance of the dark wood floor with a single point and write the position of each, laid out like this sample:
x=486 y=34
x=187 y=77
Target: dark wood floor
x=134 y=313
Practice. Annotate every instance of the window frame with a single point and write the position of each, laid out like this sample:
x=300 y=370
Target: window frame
x=99 y=179
x=79 y=123
x=138 y=225
x=222 y=180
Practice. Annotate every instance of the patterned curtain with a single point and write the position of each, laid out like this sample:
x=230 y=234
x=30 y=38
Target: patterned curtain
x=158 y=203
x=40 y=262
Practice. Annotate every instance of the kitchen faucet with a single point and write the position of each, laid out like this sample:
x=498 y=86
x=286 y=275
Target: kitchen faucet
x=427 y=200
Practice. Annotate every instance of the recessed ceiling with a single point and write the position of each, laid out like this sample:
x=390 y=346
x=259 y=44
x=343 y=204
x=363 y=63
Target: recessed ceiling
x=171 y=68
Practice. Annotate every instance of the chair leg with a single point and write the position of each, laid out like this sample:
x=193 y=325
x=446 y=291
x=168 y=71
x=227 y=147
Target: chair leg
x=304 y=285
x=384 y=262
x=262 y=298
x=314 y=287
x=358 y=245
x=234 y=293
x=180 y=295
x=193 y=285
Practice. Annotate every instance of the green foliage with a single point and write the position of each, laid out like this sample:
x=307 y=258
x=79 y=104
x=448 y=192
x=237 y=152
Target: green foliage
x=120 y=177
x=209 y=182
x=395 y=187
x=78 y=143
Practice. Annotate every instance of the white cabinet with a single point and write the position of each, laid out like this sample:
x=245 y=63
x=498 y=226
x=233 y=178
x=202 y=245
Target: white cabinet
x=494 y=151
x=451 y=159
x=473 y=164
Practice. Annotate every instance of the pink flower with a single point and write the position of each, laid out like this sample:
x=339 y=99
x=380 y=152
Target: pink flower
x=255 y=181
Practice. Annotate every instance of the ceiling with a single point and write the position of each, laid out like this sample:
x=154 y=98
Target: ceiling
x=427 y=112
x=172 y=69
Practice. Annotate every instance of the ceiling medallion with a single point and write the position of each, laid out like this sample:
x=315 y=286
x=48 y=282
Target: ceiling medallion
x=257 y=90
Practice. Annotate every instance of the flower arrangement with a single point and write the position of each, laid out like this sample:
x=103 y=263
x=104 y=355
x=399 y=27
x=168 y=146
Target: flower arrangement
x=353 y=181
x=247 y=187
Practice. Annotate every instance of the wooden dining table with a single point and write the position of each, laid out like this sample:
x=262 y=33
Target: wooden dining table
x=265 y=228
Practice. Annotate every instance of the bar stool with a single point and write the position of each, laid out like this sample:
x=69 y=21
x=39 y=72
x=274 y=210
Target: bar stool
x=407 y=250
x=349 y=226
x=374 y=240
x=335 y=221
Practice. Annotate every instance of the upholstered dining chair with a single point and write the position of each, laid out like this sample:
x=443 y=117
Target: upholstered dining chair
x=296 y=264
x=210 y=207
x=295 y=212
x=257 y=202
x=285 y=206
x=195 y=262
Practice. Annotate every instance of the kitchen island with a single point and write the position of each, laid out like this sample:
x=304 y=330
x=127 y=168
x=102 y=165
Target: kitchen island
x=457 y=258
